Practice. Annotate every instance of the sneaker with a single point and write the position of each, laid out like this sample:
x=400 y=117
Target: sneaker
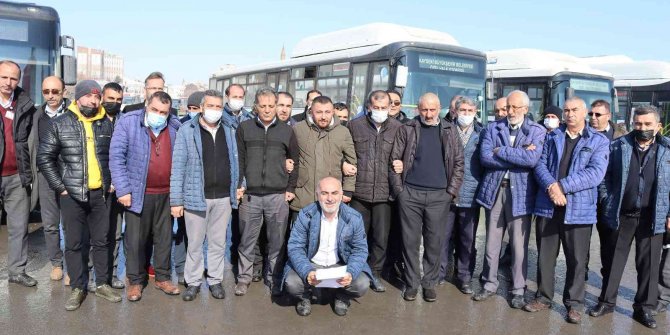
x=465 y=288
x=56 y=273
x=517 y=301
x=410 y=294
x=341 y=307
x=241 y=289
x=76 y=298
x=117 y=283
x=167 y=287
x=256 y=277
x=482 y=295
x=304 y=307
x=106 y=292
x=429 y=295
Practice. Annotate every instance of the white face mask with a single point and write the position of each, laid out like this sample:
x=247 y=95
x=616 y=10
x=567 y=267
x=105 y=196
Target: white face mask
x=235 y=104
x=466 y=120
x=379 y=116
x=212 y=115
x=551 y=123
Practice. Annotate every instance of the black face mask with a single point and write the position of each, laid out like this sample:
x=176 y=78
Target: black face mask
x=643 y=135
x=88 y=111
x=112 y=108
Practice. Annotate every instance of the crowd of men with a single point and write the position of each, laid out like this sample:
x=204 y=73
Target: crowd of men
x=322 y=189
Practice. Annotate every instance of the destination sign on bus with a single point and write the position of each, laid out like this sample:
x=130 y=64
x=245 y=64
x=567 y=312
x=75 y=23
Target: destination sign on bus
x=434 y=62
x=13 y=30
x=589 y=85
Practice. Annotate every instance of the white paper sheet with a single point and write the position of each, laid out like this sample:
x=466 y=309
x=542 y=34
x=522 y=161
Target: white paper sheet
x=329 y=277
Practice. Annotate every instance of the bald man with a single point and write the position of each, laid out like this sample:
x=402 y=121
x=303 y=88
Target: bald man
x=53 y=91
x=327 y=234
x=500 y=109
x=430 y=156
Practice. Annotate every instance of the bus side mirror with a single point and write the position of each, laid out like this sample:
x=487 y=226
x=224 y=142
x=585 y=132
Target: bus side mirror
x=569 y=92
x=69 y=69
x=401 y=75
x=67 y=42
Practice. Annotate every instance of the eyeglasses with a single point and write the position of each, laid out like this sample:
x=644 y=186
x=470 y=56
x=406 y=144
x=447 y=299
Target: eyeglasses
x=515 y=108
x=155 y=88
x=395 y=103
x=53 y=91
x=591 y=114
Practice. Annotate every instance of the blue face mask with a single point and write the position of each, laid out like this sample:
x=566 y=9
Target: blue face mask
x=192 y=114
x=156 y=121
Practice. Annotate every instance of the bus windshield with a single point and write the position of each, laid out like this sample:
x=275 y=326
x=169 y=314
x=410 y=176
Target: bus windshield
x=444 y=74
x=591 y=90
x=33 y=44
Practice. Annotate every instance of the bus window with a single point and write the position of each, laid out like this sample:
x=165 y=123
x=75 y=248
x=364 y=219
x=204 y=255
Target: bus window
x=239 y=80
x=256 y=78
x=325 y=71
x=219 y=86
x=299 y=89
x=283 y=82
x=507 y=89
x=272 y=81
x=310 y=72
x=358 y=86
x=380 y=76
x=250 y=94
x=334 y=88
x=298 y=73
x=536 y=95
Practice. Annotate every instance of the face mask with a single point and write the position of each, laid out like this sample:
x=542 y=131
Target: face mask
x=112 y=108
x=551 y=123
x=379 y=116
x=235 y=104
x=192 y=115
x=88 y=111
x=212 y=115
x=466 y=120
x=643 y=135
x=156 y=121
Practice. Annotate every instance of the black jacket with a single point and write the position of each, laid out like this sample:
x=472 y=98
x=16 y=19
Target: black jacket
x=22 y=127
x=373 y=150
x=62 y=154
x=404 y=148
x=262 y=157
x=401 y=117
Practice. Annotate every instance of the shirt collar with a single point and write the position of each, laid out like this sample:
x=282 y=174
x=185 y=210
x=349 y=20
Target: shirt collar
x=573 y=136
x=51 y=112
x=335 y=219
x=514 y=127
x=8 y=103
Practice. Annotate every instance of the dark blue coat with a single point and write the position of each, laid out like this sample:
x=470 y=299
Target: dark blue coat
x=473 y=170
x=587 y=169
x=519 y=161
x=612 y=188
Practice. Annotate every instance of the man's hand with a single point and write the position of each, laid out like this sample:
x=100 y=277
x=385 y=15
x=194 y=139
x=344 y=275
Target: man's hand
x=348 y=169
x=311 y=278
x=531 y=147
x=346 y=280
x=64 y=193
x=289 y=196
x=177 y=211
x=556 y=195
x=289 y=165
x=111 y=188
x=125 y=200
x=346 y=199
x=240 y=193
x=667 y=224
x=397 y=166
x=495 y=151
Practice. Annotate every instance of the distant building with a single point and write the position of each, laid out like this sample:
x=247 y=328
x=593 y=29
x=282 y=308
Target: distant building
x=98 y=65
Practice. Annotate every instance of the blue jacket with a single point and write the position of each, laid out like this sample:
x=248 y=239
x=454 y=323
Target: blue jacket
x=472 y=170
x=519 y=161
x=586 y=171
x=230 y=123
x=187 y=180
x=129 y=156
x=352 y=245
x=612 y=188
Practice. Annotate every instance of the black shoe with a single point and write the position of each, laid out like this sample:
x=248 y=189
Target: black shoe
x=217 y=291
x=441 y=282
x=304 y=307
x=341 y=307
x=23 y=279
x=117 y=283
x=190 y=293
x=410 y=294
x=377 y=286
x=482 y=295
x=517 y=301
x=465 y=288
x=429 y=295
x=644 y=318
x=256 y=277
x=600 y=310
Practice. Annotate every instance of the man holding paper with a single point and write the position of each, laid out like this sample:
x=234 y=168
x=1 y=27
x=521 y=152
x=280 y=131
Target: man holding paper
x=327 y=248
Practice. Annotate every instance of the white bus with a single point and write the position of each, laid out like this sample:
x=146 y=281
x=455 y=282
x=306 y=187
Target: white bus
x=346 y=65
x=548 y=77
x=637 y=82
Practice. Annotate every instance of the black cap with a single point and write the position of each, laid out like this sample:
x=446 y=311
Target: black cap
x=554 y=110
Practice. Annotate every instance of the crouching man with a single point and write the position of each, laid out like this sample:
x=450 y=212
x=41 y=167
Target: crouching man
x=327 y=234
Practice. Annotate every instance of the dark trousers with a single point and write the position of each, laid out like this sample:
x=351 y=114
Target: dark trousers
x=664 y=275
x=576 y=241
x=50 y=213
x=647 y=262
x=394 y=262
x=261 y=251
x=422 y=214
x=155 y=221
x=462 y=224
x=115 y=235
x=180 y=246
x=377 y=221
x=86 y=225
x=299 y=289
x=605 y=236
